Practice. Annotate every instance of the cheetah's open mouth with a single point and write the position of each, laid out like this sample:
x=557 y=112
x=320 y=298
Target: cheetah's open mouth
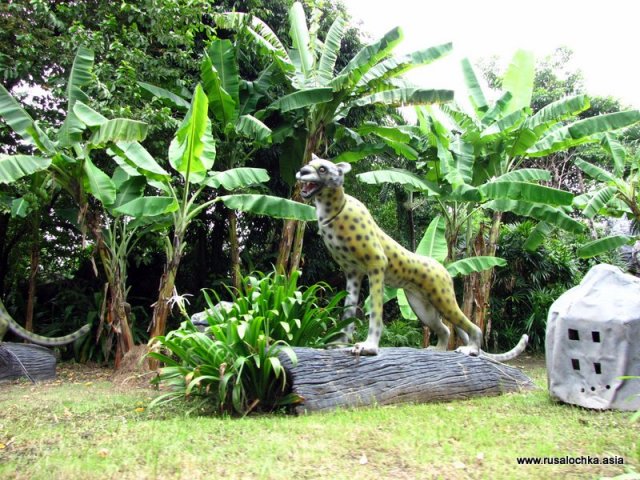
x=308 y=189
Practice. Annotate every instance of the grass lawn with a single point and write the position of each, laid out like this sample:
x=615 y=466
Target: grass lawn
x=85 y=426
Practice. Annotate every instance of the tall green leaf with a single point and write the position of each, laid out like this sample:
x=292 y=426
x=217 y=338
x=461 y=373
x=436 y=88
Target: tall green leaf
x=518 y=80
x=405 y=309
x=222 y=104
x=192 y=151
x=331 y=49
x=222 y=54
x=478 y=100
x=300 y=38
x=617 y=151
x=14 y=167
x=80 y=76
x=434 y=241
x=15 y=116
x=275 y=207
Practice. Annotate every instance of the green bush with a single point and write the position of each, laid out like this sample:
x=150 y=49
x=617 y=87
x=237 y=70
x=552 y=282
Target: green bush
x=234 y=363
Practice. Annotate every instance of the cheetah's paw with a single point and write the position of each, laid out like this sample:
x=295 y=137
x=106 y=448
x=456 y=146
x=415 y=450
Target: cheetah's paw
x=365 y=348
x=469 y=350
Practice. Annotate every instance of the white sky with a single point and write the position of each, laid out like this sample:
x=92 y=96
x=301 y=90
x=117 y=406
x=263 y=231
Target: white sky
x=604 y=35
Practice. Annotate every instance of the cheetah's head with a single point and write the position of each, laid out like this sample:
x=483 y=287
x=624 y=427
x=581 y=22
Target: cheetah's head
x=320 y=173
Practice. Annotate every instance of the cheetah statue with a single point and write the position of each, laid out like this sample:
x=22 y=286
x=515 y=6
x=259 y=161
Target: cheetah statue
x=361 y=248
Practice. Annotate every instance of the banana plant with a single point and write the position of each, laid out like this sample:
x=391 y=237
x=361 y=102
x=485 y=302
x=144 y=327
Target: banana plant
x=192 y=155
x=618 y=194
x=231 y=102
x=318 y=97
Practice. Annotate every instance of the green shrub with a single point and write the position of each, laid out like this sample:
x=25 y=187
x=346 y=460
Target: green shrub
x=234 y=363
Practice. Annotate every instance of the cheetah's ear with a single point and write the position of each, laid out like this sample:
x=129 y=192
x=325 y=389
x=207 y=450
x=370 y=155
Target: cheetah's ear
x=315 y=157
x=344 y=167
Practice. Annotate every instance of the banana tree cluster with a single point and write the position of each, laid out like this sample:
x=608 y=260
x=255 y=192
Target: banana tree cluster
x=318 y=96
x=139 y=192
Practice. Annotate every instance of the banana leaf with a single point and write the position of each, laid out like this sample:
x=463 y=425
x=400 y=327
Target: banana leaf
x=402 y=177
x=14 y=167
x=603 y=245
x=434 y=242
x=518 y=80
x=474 y=264
x=237 y=178
x=275 y=207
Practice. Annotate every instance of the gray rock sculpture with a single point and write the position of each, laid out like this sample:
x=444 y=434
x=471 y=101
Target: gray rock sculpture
x=593 y=338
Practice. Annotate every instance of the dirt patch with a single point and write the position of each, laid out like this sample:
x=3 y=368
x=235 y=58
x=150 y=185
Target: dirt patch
x=134 y=369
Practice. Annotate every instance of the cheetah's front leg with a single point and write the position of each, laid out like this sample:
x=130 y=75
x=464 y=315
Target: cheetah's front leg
x=376 y=291
x=354 y=282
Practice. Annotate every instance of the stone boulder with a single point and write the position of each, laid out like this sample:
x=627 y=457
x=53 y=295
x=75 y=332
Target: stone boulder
x=593 y=338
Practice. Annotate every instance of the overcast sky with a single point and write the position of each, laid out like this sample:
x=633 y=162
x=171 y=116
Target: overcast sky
x=604 y=35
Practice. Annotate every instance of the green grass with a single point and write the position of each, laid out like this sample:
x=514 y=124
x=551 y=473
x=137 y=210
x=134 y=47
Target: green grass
x=83 y=427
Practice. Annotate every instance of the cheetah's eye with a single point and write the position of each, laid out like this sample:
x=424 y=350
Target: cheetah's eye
x=322 y=169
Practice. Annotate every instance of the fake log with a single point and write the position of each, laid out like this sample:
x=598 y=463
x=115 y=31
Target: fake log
x=25 y=360
x=329 y=379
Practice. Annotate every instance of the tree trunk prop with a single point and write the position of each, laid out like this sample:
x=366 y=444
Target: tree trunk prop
x=330 y=379
x=18 y=360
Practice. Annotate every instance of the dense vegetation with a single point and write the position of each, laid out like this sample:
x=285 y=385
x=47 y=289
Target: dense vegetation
x=148 y=152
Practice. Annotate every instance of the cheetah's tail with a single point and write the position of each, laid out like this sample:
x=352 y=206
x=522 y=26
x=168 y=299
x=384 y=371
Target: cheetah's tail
x=511 y=354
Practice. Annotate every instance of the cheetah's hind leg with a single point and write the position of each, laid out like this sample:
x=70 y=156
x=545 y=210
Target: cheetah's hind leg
x=430 y=317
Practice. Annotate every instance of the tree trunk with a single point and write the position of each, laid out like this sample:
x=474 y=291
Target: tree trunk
x=293 y=231
x=33 y=274
x=330 y=379
x=118 y=318
x=234 y=246
x=477 y=286
x=296 y=253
